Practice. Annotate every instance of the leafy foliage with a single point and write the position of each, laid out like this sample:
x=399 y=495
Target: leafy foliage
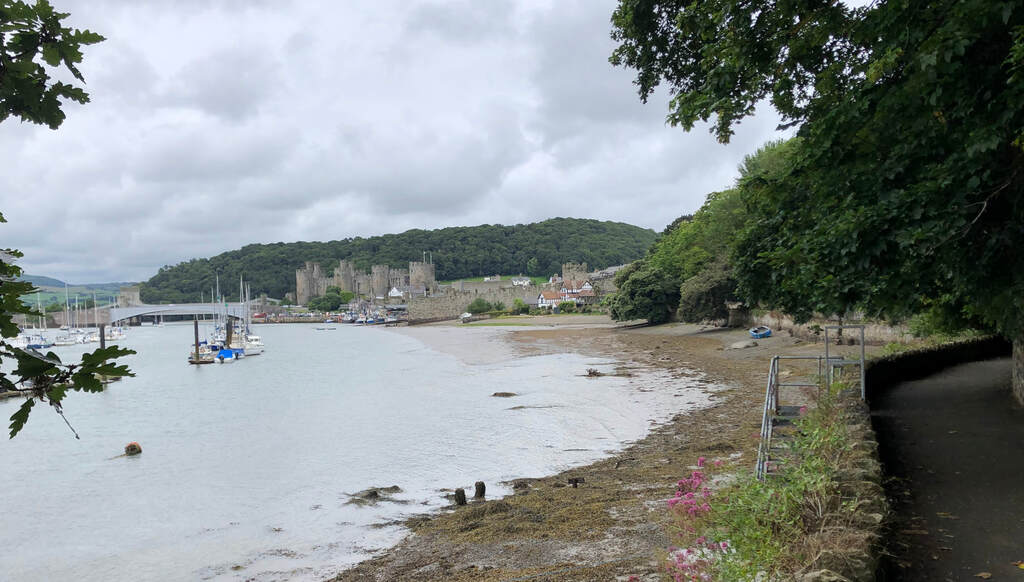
x=28 y=32
x=458 y=252
x=34 y=31
x=905 y=184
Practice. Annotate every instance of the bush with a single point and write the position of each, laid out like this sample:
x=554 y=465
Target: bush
x=567 y=307
x=479 y=305
x=519 y=306
x=497 y=306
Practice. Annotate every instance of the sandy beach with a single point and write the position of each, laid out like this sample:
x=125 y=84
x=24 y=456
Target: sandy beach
x=613 y=525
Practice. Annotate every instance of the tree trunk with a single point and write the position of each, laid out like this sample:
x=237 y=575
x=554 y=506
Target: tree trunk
x=1018 y=369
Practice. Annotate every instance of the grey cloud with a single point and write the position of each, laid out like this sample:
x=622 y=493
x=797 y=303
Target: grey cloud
x=231 y=84
x=463 y=21
x=324 y=121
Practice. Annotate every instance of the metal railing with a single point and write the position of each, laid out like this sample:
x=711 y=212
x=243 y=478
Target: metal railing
x=771 y=402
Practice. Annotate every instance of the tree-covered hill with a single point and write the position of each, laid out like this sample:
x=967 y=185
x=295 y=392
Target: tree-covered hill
x=532 y=249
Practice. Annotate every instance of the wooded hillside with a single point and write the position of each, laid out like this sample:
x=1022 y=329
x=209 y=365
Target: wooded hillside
x=532 y=249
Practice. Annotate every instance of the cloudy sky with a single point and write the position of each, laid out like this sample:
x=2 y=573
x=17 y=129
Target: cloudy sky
x=217 y=124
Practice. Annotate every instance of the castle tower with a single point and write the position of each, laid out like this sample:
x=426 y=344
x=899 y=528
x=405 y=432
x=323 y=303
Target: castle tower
x=422 y=274
x=309 y=282
x=345 y=276
x=575 y=272
x=379 y=280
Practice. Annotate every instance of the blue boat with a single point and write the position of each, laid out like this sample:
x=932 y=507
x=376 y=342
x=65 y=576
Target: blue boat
x=226 y=356
x=760 y=331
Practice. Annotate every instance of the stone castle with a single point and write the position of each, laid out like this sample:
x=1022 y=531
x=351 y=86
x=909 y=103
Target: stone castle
x=311 y=280
x=425 y=299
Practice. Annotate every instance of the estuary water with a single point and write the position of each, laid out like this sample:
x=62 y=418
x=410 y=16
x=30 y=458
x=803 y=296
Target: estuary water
x=247 y=468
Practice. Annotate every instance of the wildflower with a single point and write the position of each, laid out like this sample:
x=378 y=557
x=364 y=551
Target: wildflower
x=803 y=410
x=718 y=462
x=700 y=461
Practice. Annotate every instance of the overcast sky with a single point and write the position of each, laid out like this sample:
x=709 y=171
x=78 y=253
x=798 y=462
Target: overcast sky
x=217 y=124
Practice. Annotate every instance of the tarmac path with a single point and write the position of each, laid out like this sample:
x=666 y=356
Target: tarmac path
x=953 y=449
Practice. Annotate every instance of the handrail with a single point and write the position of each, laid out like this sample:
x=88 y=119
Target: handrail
x=771 y=406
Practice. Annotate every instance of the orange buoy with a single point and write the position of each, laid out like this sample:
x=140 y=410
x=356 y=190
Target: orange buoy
x=132 y=448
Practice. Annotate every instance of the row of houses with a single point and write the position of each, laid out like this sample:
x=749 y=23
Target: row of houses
x=578 y=292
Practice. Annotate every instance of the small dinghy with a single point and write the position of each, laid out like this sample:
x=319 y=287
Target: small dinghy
x=760 y=332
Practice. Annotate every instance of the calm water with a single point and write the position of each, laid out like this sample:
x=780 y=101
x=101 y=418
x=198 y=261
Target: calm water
x=246 y=467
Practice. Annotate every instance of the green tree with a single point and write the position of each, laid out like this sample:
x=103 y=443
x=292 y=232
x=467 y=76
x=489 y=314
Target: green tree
x=478 y=305
x=703 y=296
x=644 y=292
x=519 y=306
x=29 y=32
x=906 y=184
x=531 y=266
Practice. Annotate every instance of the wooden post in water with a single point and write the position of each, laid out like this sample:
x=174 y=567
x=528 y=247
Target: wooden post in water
x=460 y=496
x=230 y=328
x=195 y=327
x=481 y=489
x=103 y=336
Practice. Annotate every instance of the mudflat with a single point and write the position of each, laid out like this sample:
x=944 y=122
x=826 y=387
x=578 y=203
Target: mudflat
x=614 y=523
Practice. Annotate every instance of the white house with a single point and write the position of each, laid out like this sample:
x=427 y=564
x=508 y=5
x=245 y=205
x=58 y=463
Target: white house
x=549 y=299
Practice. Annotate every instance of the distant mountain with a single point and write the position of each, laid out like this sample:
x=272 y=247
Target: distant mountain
x=41 y=281
x=49 y=282
x=53 y=290
x=458 y=252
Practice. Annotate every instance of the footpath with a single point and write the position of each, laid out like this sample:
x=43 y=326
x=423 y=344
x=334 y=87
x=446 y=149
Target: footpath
x=953 y=447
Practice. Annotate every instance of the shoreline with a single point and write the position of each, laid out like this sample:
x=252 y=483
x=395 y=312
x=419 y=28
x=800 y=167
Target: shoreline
x=613 y=524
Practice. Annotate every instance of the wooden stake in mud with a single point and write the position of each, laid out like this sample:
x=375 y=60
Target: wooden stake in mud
x=195 y=327
x=460 y=496
x=481 y=489
x=103 y=338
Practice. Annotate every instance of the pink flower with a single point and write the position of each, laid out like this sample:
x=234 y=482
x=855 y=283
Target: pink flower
x=803 y=410
x=700 y=461
x=718 y=462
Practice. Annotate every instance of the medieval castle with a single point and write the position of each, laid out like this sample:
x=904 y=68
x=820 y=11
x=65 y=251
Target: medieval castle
x=416 y=281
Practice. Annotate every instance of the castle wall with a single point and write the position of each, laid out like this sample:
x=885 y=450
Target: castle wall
x=454 y=303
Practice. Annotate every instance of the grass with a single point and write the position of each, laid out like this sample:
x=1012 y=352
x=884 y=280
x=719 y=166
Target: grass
x=538 y=281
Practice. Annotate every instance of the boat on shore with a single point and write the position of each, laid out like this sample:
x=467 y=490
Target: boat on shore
x=761 y=331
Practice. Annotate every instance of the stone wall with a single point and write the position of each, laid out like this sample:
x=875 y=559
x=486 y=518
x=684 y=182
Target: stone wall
x=480 y=286
x=453 y=303
x=874 y=333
